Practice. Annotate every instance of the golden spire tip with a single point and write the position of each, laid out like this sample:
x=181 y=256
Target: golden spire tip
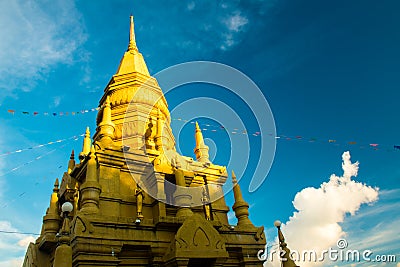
x=132 y=41
x=56 y=183
x=234 y=181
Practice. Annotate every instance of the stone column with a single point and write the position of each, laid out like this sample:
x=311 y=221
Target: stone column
x=161 y=197
x=182 y=195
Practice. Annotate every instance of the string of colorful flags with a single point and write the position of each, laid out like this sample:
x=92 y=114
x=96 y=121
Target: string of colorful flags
x=38 y=157
x=23 y=194
x=26 y=163
x=236 y=131
x=216 y=128
x=61 y=113
x=75 y=137
x=373 y=146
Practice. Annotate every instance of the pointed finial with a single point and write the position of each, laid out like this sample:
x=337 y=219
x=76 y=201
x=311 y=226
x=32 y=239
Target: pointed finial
x=92 y=150
x=133 y=60
x=107 y=113
x=90 y=189
x=286 y=261
x=91 y=173
x=234 y=181
x=53 y=207
x=132 y=40
x=87 y=142
x=240 y=207
x=201 y=150
x=71 y=162
x=56 y=184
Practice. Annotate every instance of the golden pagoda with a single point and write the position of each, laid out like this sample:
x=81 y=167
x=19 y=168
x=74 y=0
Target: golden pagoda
x=133 y=200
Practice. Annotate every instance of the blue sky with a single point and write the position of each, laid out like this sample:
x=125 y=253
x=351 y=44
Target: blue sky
x=329 y=70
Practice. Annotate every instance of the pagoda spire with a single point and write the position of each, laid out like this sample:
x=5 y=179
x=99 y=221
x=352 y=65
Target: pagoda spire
x=240 y=206
x=52 y=219
x=201 y=150
x=286 y=259
x=53 y=208
x=132 y=61
x=87 y=142
x=71 y=162
x=91 y=188
x=132 y=39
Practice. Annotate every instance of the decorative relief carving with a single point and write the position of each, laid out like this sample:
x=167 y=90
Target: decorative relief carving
x=200 y=238
x=196 y=238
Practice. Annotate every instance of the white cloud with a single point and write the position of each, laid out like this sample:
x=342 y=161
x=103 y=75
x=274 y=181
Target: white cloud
x=381 y=234
x=236 y=22
x=12 y=245
x=36 y=36
x=14 y=262
x=221 y=27
x=26 y=241
x=316 y=223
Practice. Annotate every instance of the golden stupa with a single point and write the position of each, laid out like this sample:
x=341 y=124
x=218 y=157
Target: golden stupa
x=135 y=200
